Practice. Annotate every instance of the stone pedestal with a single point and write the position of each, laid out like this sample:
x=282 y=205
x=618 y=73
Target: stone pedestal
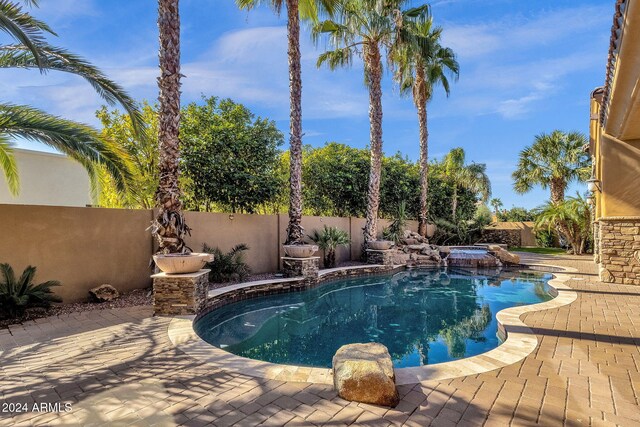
x=380 y=257
x=301 y=267
x=180 y=294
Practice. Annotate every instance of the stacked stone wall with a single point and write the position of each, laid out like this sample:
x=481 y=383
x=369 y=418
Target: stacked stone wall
x=619 y=250
x=511 y=238
x=180 y=294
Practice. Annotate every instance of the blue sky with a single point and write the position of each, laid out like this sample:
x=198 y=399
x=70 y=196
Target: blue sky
x=526 y=67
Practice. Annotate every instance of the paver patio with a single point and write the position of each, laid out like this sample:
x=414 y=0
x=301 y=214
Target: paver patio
x=118 y=367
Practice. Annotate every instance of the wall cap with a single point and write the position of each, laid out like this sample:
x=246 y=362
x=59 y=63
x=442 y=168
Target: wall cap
x=618 y=218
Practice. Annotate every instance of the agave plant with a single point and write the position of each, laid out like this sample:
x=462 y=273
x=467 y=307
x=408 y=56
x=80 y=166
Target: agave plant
x=328 y=240
x=395 y=231
x=227 y=267
x=16 y=296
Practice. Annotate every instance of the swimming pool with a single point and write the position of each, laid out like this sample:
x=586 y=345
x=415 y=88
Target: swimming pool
x=422 y=316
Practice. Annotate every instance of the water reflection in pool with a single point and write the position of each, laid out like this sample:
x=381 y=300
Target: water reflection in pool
x=422 y=316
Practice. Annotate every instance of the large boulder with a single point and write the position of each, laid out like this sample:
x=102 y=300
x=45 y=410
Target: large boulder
x=364 y=373
x=507 y=257
x=104 y=293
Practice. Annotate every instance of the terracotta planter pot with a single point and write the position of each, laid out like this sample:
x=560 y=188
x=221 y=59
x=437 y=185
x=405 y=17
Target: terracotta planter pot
x=300 y=251
x=380 y=245
x=182 y=263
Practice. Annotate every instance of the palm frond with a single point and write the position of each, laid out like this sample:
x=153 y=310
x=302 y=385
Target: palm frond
x=24 y=28
x=9 y=166
x=58 y=59
x=336 y=58
x=78 y=141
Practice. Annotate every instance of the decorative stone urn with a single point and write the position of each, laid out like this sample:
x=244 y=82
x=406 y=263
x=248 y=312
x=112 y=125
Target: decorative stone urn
x=380 y=245
x=300 y=251
x=182 y=263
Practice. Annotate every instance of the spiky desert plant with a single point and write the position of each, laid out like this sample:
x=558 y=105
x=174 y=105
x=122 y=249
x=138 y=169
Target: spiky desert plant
x=16 y=296
x=395 y=231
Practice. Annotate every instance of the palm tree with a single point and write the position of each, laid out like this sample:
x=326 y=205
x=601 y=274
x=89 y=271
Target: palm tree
x=422 y=67
x=553 y=161
x=307 y=9
x=572 y=218
x=328 y=241
x=76 y=140
x=169 y=226
x=368 y=28
x=458 y=175
x=496 y=204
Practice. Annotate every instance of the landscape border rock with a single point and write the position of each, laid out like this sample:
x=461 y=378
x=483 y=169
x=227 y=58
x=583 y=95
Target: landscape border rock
x=364 y=373
x=104 y=293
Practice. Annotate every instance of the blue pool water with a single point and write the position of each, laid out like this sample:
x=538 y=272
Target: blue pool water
x=422 y=316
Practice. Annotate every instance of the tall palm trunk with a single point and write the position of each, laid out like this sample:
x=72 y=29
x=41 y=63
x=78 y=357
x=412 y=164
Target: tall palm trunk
x=454 y=202
x=557 y=186
x=373 y=64
x=295 y=232
x=170 y=227
x=421 y=105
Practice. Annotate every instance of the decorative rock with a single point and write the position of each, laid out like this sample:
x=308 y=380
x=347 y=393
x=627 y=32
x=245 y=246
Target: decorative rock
x=606 y=276
x=507 y=257
x=364 y=373
x=104 y=293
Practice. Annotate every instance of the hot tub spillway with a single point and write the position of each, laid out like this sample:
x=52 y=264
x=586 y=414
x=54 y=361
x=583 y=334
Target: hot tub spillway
x=473 y=257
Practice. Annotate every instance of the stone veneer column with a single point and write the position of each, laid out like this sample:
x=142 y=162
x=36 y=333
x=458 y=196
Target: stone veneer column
x=619 y=250
x=180 y=294
x=301 y=267
x=379 y=257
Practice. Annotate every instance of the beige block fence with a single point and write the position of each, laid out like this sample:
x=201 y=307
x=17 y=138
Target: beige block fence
x=87 y=247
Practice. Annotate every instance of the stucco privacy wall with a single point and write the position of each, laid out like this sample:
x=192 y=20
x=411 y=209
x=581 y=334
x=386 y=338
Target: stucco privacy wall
x=80 y=247
x=66 y=182
x=259 y=232
x=87 y=247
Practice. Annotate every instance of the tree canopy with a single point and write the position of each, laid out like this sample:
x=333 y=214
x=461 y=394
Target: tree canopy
x=228 y=156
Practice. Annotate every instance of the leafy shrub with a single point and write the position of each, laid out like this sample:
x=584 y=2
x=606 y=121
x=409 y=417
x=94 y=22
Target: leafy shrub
x=328 y=240
x=544 y=238
x=462 y=232
x=227 y=267
x=16 y=296
x=516 y=214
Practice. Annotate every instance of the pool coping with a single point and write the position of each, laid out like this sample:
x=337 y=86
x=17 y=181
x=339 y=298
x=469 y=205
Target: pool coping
x=520 y=341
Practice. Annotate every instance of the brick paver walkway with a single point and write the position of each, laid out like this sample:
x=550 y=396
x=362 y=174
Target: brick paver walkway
x=117 y=367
